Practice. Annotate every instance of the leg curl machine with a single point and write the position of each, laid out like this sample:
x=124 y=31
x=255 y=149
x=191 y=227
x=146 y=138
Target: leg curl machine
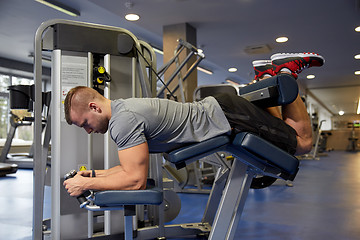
x=232 y=181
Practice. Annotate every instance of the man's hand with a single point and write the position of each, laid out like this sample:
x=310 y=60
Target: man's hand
x=86 y=173
x=75 y=185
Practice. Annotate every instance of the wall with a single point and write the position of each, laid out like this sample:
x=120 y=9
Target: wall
x=318 y=113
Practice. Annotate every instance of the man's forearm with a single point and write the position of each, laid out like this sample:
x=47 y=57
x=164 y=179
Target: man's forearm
x=114 y=179
x=106 y=172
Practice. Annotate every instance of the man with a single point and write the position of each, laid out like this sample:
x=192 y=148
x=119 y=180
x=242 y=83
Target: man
x=142 y=125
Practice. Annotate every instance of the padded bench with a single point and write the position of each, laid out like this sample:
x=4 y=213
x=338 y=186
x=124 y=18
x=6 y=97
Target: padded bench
x=250 y=144
x=250 y=151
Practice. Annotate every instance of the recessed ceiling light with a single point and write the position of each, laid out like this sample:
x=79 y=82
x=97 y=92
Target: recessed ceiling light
x=232 y=69
x=357 y=29
x=132 y=17
x=357 y=73
x=341 y=113
x=311 y=76
x=282 y=39
x=357 y=56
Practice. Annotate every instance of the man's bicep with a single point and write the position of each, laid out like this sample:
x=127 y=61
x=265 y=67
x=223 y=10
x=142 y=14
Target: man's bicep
x=135 y=161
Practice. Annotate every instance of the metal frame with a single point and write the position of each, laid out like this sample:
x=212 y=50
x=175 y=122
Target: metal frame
x=43 y=40
x=179 y=65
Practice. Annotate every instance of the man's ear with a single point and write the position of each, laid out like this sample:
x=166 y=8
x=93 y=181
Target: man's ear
x=93 y=106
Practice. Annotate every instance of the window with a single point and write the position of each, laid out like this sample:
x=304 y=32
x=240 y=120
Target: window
x=4 y=105
x=22 y=132
x=21 y=81
x=4 y=116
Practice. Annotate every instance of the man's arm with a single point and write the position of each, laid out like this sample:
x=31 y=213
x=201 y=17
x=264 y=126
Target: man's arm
x=131 y=174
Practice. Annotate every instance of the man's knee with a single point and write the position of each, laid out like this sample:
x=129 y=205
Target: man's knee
x=304 y=145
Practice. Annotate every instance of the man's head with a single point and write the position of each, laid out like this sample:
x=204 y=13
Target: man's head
x=88 y=109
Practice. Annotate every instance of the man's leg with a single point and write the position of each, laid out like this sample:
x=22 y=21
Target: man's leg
x=294 y=114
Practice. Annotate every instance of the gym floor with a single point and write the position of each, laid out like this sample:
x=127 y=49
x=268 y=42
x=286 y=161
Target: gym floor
x=324 y=203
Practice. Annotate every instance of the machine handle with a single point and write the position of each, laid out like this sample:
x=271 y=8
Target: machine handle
x=83 y=198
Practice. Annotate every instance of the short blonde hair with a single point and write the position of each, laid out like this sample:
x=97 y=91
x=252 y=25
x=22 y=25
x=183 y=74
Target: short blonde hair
x=79 y=96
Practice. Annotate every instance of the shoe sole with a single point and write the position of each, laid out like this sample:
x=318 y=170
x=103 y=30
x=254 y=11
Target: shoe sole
x=258 y=63
x=287 y=55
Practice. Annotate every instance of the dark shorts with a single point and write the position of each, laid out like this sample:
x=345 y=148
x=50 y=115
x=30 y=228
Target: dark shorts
x=244 y=116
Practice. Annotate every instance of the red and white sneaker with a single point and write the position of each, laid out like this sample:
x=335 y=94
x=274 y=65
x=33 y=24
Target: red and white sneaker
x=263 y=68
x=295 y=62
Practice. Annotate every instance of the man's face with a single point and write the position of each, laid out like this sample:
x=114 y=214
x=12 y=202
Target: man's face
x=91 y=121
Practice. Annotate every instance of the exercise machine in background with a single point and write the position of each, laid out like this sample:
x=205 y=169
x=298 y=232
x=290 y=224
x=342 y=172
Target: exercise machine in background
x=316 y=152
x=21 y=105
x=353 y=139
x=179 y=65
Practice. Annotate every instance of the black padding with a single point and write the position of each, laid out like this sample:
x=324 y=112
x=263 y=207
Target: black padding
x=211 y=90
x=262 y=182
x=285 y=85
x=6 y=168
x=114 y=198
x=244 y=142
x=125 y=43
x=266 y=151
x=20 y=96
x=191 y=151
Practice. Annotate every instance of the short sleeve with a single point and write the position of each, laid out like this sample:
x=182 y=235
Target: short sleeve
x=126 y=130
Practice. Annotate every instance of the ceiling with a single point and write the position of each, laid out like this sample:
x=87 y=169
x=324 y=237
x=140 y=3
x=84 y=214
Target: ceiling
x=224 y=30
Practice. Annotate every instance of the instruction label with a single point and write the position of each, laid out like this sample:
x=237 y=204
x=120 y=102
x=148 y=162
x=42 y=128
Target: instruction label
x=74 y=72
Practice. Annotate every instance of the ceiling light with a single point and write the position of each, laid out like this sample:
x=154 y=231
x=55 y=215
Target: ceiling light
x=357 y=56
x=341 y=113
x=60 y=7
x=358 y=108
x=357 y=29
x=204 y=70
x=282 y=39
x=232 y=69
x=357 y=73
x=310 y=76
x=132 y=17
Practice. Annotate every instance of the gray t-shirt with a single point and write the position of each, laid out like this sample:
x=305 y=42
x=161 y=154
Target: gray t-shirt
x=165 y=124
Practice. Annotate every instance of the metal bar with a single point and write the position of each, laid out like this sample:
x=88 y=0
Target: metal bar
x=230 y=204
x=107 y=214
x=38 y=190
x=9 y=139
x=163 y=68
x=90 y=143
x=195 y=64
x=175 y=73
x=215 y=195
x=143 y=78
x=56 y=149
x=152 y=66
x=240 y=205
